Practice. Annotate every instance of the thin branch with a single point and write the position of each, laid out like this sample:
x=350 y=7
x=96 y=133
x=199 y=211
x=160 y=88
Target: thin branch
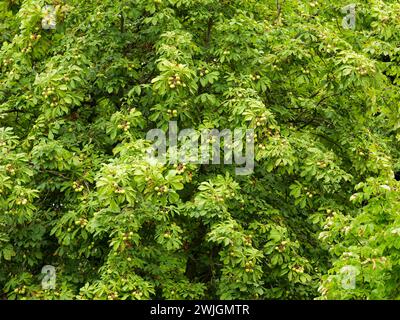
x=122 y=23
x=208 y=34
x=11 y=111
x=279 y=9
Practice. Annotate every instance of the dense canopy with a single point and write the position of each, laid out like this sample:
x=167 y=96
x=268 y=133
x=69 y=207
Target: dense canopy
x=317 y=219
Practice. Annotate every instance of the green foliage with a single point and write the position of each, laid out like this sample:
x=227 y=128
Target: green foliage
x=77 y=193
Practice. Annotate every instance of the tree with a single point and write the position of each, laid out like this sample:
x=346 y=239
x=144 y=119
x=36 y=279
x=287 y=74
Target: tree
x=77 y=193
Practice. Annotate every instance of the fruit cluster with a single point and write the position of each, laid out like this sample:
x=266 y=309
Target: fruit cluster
x=203 y=72
x=309 y=194
x=82 y=222
x=255 y=77
x=175 y=81
x=259 y=121
x=247 y=240
x=212 y=139
x=27 y=49
x=20 y=290
x=7 y=61
x=362 y=70
x=137 y=293
x=10 y=169
x=298 y=269
x=254 y=138
x=113 y=296
x=91 y=245
x=172 y=113
x=161 y=190
x=229 y=195
x=249 y=266
x=119 y=190
x=167 y=234
x=127 y=236
x=77 y=186
x=35 y=36
x=330 y=212
x=125 y=126
x=321 y=164
x=180 y=168
x=22 y=201
x=281 y=246
x=48 y=91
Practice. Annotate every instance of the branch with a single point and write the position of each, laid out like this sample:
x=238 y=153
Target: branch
x=11 y=111
x=208 y=34
x=122 y=22
x=279 y=8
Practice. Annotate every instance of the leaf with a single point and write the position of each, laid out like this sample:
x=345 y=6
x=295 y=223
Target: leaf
x=8 y=252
